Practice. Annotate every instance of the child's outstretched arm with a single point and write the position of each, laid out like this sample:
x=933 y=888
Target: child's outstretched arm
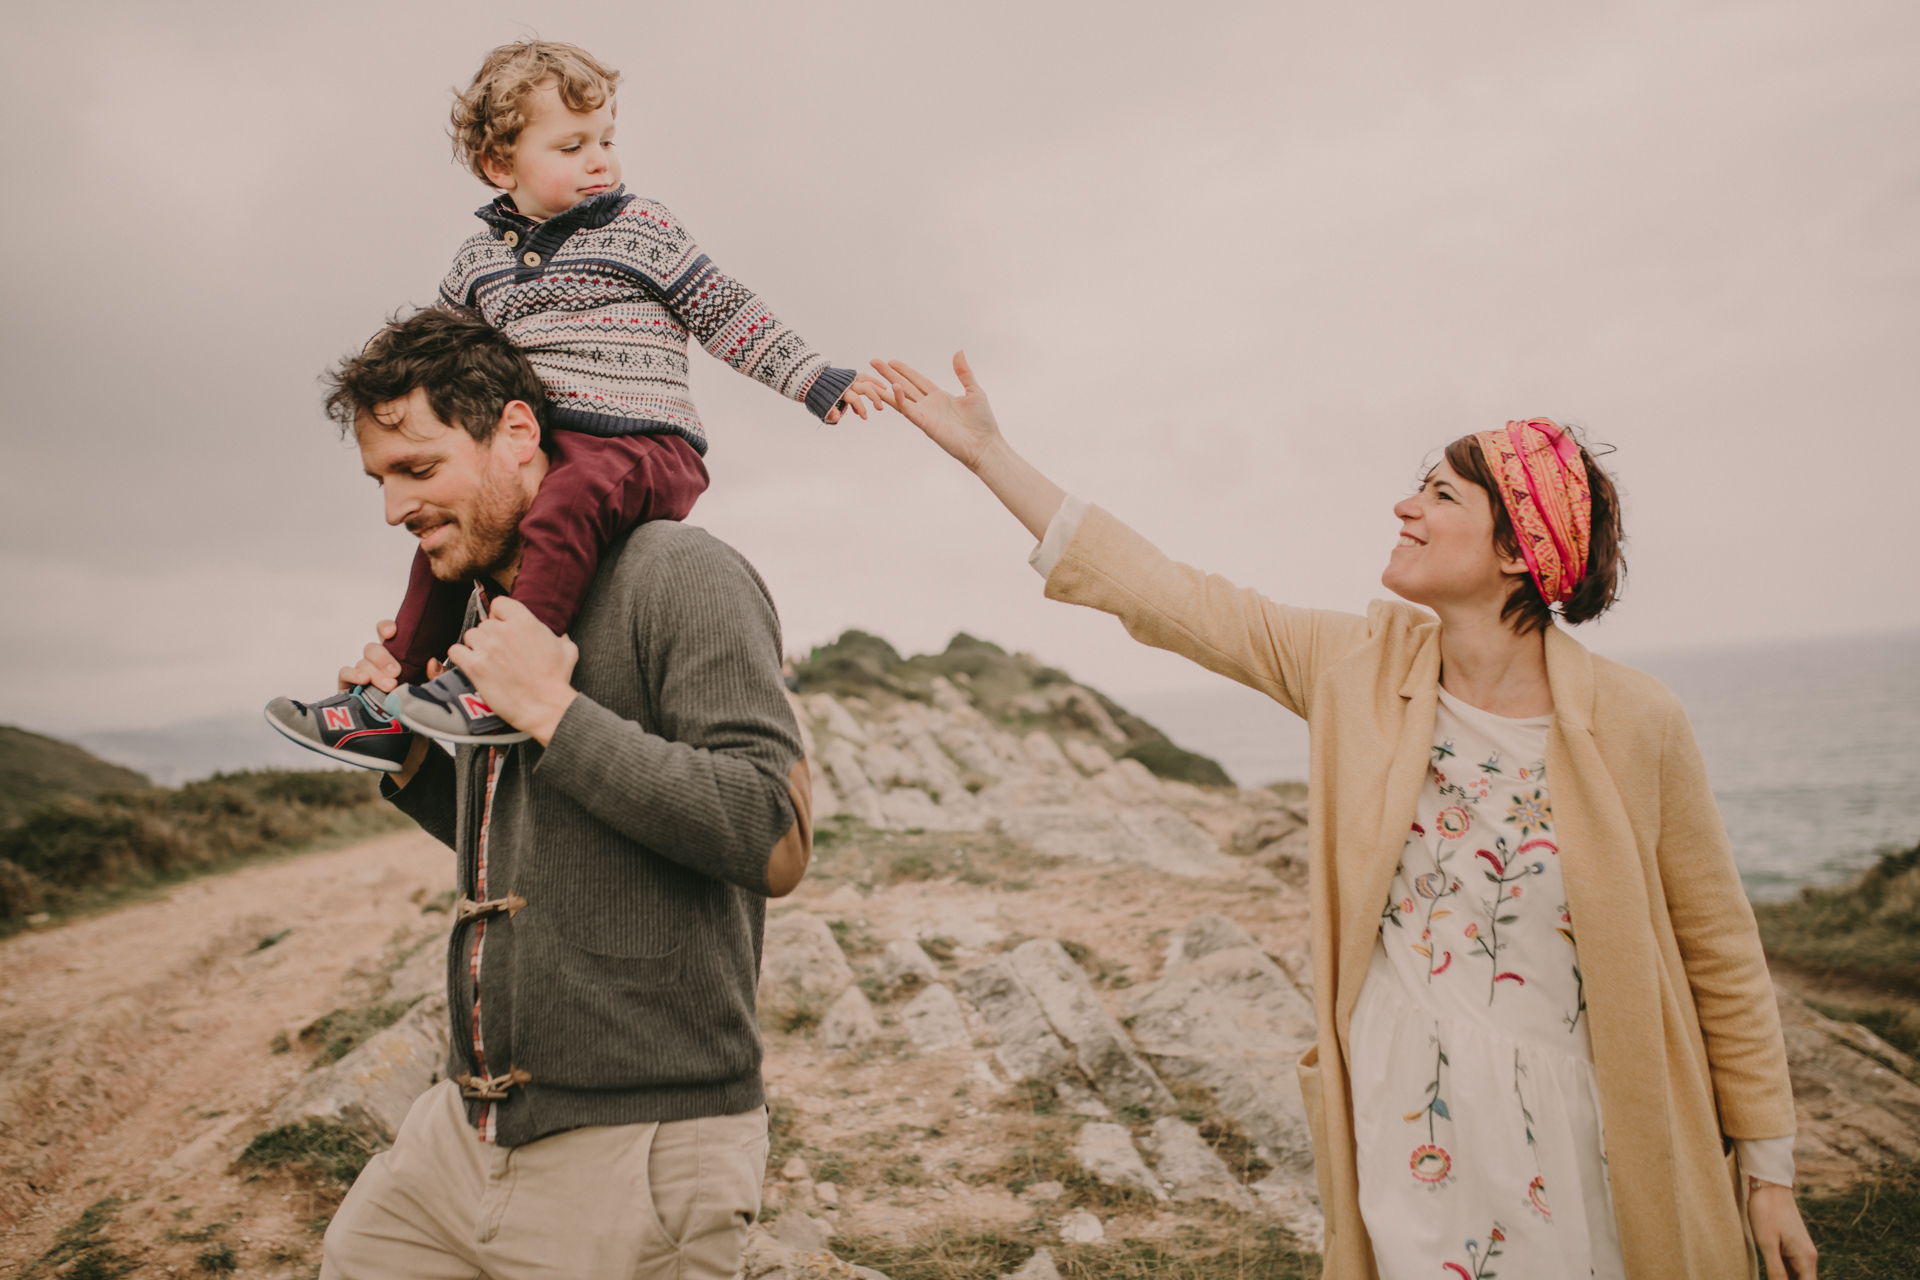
x=734 y=325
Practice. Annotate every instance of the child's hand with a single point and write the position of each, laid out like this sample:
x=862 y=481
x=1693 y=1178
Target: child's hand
x=376 y=667
x=865 y=394
x=964 y=426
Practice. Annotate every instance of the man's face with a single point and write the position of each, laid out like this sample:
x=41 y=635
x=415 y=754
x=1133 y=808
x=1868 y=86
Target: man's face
x=462 y=499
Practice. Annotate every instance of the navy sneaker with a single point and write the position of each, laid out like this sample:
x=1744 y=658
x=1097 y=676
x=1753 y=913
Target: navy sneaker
x=449 y=708
x=351 y=726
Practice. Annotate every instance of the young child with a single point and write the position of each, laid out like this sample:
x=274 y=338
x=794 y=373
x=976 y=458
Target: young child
x=601 y=290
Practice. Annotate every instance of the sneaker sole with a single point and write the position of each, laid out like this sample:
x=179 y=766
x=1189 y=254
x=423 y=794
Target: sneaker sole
x=344 y=757
x=501 y=739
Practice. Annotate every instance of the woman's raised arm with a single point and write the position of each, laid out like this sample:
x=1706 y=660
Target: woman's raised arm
x=964 y=426
x=1107 y=566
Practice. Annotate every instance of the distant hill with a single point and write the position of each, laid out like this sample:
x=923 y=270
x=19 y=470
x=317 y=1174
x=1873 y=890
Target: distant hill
x=179 y=753
x=36 y=769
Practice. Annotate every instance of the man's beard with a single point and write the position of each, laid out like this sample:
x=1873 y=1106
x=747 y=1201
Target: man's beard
x=487 y=537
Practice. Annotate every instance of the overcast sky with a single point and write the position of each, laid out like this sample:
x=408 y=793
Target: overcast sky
x=1232 y=271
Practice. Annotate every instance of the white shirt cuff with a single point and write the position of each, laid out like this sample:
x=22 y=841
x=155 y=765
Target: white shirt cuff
x=1768 y=1159
x=1060 y=531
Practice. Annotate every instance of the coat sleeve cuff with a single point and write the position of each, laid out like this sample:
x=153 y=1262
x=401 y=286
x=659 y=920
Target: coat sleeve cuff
x=1768 y=1159
x=1060 y=531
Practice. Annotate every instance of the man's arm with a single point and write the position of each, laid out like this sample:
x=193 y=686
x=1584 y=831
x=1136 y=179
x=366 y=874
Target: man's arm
x=723 y=787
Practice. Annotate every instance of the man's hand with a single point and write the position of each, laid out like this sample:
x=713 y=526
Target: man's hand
x=521 y=668
x=381 y=669
x=866 y=394
x=1786 y=1250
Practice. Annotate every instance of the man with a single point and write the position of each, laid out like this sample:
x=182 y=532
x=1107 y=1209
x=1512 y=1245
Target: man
x=604 y=1113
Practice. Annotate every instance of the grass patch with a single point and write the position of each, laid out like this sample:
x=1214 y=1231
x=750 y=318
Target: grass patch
x=82 y=1250
x=328 y=1153
x=1870 y=1231
x=218 y=1258
x=1898 y=1027
x=783 y=1143
x=75 y=854
x=1868 y=930
x=334 y=1035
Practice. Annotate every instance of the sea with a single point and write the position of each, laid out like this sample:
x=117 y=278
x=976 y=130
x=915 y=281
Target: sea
x=1812 y=747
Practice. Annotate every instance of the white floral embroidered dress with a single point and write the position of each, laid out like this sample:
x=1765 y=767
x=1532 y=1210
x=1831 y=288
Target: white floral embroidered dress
x=1476 y=1113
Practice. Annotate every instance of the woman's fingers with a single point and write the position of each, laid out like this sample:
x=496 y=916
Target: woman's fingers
x=964 y=371
x=921 y=382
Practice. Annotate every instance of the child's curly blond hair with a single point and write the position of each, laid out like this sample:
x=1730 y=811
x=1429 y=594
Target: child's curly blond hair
x=489 y=115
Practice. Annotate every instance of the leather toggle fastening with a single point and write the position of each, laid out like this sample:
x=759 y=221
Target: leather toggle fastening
x=491 y=1088
x=467 y=909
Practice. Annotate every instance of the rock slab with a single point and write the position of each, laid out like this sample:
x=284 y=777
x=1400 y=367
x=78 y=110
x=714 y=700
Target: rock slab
x=802 y=963
x=1075 y=1013
x=1107 y=1152
x=1028 y=1049
x=934 y=1021
x=371 y=1089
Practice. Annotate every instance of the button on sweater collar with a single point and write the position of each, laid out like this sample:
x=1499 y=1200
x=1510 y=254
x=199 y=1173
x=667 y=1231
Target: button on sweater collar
x=501 y=214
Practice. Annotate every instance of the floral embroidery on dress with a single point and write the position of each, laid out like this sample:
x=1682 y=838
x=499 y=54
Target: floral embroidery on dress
x=1536 y=1189
x=1480 y=1263
x=1515 y=1049
x=1430 y=1162
x=1531 y=813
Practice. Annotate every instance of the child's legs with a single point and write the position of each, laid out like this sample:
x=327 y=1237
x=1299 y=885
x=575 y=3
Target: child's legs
x=429 y=619
x=596 y=489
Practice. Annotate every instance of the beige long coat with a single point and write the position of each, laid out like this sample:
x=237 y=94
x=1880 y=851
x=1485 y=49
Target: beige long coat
x=1686 y=1035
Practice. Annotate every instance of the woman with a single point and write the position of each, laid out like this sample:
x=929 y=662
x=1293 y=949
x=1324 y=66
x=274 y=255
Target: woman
x=1484 y=793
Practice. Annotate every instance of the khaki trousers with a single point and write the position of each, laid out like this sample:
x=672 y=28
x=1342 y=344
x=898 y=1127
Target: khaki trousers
x=640 y=1201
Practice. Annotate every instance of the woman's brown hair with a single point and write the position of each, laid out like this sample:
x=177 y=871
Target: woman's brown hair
x=1526 y=610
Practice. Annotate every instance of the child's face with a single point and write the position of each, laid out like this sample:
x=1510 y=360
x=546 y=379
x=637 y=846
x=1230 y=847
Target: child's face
x=562 y=157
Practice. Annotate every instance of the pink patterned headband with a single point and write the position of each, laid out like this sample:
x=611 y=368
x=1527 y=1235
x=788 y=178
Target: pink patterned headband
x=1544 y=486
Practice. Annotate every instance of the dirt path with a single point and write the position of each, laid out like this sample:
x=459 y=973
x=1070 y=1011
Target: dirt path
x=135 y=1050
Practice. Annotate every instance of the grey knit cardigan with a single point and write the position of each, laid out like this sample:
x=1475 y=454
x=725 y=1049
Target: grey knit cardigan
x=639 y=840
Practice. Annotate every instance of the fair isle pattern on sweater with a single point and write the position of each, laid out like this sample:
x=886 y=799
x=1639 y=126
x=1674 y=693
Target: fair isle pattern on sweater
x=603 y=298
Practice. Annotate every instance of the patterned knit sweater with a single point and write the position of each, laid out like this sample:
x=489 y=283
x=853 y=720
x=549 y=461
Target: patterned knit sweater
x=602 y=299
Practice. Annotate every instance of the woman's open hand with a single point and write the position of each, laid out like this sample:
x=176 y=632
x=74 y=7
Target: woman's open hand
x=961 y=425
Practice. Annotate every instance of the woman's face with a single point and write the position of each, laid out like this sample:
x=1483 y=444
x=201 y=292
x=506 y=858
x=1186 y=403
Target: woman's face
x=1446 y=559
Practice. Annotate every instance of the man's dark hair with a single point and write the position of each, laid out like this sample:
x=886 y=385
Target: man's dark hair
x=468 y=368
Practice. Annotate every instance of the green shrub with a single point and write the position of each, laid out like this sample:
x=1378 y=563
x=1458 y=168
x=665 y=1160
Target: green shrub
x=331 y=1153
x=1177 y=764
x=1869 y=929
x=93 y=844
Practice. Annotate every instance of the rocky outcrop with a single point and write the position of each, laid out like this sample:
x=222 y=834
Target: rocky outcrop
x=1074 y=1011
x=1226 y=1016
x=801 y=964
x=850 y=1022
x=1027 y=1049
x=1190 y=1170
x=934 y=1022
x=371 y=1089
x=945 y=767
x=1107 y=1152
x=1856 y=1096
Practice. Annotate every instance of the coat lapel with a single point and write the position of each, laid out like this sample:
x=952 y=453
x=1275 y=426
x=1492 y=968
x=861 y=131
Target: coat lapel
x=1608 y=899
x=1372 y=873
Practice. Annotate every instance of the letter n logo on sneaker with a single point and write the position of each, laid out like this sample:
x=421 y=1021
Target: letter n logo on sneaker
x=338 y=719
x=475 y=709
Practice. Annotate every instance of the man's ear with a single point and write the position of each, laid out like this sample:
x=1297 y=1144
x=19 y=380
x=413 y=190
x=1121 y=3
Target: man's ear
x=520 y=426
